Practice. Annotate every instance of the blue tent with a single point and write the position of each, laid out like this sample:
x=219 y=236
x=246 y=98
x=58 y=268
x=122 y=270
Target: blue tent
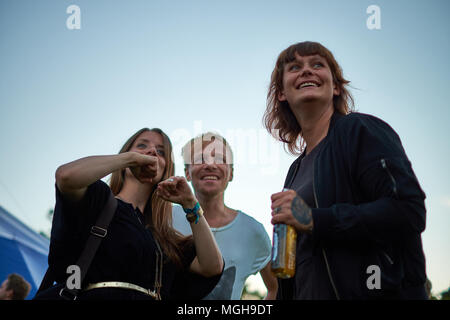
x=22 y=251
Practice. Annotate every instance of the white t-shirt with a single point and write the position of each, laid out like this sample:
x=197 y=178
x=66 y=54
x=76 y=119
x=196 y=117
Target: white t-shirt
x=245 y=247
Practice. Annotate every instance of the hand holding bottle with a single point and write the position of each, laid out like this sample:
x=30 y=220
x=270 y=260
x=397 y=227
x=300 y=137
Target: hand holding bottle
x=289 y=208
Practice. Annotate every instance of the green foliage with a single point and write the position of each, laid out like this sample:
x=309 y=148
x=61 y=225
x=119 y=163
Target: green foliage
x=42 y=233
x=445 y=295
x=50 y=214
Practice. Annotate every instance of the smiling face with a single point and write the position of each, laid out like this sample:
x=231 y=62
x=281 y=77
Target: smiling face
x=283 y=105
x=210 y=171
x=307 y=79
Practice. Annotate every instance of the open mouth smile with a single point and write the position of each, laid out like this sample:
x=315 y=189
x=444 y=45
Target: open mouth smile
x=308 y=84
x=210 y=178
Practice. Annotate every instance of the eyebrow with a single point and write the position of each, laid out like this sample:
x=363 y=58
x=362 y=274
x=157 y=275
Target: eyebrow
x=309 y=57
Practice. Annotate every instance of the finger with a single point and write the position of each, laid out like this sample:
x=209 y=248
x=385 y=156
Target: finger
x=160 y=189
x=162 y=186
x=167 y=195
x=276 y=196
x=181 y=179
x=276 y=210
x=172 y=180
x=144 y=159
x=169 y=184
x=282 y=202
x=286 y=220
x=280 y=218
x=172 y=186
x=164 y=194
x=183 y=185
x=150 y=170
x=166 y=183
x=282 y=194
x=150 y=160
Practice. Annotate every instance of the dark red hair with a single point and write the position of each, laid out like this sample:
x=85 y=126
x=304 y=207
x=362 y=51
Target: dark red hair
x=278 y=118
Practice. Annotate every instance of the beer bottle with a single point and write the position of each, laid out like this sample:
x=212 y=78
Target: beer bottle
x=283 y=250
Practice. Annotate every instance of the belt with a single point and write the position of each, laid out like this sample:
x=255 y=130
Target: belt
x=123 y=285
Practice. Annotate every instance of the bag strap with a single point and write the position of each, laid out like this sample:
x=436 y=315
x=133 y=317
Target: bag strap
x=47 y=281
x=97 y=233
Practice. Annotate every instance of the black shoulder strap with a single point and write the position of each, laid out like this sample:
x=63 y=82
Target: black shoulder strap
x=47 y=281
x=98 y=232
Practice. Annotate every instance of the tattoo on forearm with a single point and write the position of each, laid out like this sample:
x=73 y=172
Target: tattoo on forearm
x=301 y=211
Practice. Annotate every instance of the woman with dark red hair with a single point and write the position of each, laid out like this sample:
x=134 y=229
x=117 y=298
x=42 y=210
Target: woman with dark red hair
x=353 y=197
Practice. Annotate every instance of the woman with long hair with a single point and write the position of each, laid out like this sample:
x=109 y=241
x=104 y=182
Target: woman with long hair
x=126 y=265
x=352 y=195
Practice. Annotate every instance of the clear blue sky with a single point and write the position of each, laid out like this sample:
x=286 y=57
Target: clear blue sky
x=191 y=66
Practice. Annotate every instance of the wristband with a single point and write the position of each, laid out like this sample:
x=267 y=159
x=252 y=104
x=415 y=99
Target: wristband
x=194 y=214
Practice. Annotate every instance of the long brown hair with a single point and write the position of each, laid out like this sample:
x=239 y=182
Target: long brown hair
x=158 y=212
x=278 y=118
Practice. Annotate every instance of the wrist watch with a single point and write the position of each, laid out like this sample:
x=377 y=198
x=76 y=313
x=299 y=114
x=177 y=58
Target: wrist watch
x=192 y=215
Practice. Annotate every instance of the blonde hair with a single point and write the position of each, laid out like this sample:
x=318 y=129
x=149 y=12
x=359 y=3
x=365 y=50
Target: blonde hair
x=204 y=140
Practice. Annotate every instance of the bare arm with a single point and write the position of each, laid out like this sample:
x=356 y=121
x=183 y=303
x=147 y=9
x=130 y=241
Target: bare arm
x=270 y=281
x=74 y=177
x=208 y=261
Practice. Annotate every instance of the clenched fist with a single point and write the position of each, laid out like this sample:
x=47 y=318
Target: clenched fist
x=145 y=167
x=176 y=189
x=289 y=208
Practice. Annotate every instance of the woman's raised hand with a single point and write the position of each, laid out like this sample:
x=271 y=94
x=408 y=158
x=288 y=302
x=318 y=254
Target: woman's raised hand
x=176 y=189
x=145 y=167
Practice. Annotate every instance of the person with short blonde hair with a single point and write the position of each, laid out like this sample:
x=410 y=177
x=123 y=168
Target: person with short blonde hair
x=204 y=142
x=243 y=241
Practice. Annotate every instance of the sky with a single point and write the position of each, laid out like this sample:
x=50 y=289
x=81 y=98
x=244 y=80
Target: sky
x=71 y=88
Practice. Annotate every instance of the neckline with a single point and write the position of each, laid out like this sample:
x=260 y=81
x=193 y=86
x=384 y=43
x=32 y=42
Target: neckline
x=137 y=212
x=315 y=150
x=229 y=225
